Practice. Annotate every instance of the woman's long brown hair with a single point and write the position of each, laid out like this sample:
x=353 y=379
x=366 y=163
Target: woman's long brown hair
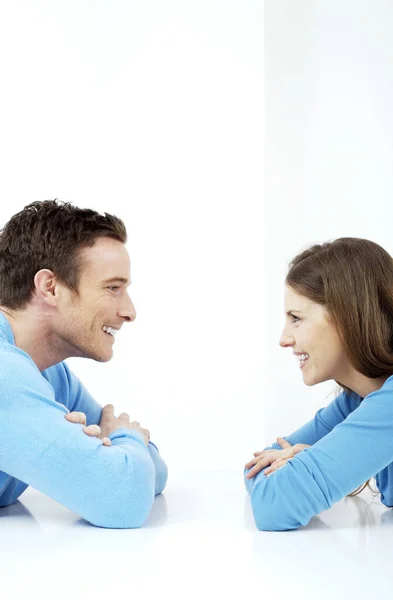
x=353 y=279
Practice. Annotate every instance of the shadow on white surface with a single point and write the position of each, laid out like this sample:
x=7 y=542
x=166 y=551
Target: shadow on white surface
x=200 y=541
x=17 y=511
x=159 y=513
x=387 y=518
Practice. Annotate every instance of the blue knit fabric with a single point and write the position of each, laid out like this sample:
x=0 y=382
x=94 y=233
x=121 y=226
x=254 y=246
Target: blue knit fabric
x=108 y=486
x=351 y=441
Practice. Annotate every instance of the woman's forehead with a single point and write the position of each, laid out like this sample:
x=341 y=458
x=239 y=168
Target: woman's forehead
x=295 y=302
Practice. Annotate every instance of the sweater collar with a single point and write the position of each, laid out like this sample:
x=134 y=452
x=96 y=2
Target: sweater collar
x=6 y=329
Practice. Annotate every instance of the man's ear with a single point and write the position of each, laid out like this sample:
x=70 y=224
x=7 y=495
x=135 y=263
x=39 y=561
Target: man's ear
x=46 y=287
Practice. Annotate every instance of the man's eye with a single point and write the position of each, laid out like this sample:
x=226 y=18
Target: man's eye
x=113 y=287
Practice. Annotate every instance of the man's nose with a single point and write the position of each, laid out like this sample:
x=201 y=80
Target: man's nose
x=127 y=312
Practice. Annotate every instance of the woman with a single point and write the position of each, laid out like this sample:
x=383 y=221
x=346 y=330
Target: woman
x=339 y=324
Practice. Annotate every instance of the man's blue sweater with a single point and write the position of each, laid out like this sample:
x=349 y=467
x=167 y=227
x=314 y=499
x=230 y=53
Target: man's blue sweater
x=108 y=486
x=351 y=441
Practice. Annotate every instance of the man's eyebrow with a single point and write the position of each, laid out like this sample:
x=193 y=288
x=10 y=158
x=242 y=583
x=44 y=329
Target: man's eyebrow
x=117 y=280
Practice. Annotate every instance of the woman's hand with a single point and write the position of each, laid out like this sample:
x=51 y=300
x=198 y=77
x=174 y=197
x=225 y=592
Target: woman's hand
x=274 y=458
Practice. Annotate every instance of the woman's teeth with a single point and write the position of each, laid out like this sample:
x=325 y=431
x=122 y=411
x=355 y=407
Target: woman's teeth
x=303 y=358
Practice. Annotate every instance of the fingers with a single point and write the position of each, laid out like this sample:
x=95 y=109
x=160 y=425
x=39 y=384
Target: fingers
x=258 y=464
x=109 y=423
x=108 y=412
x=283 y=443
x=275 y=458
x=266 y=459
x=276 y=465
x=299 y=447
x=92 y=430
x=95 y=431
x=256 y=469
x=76 y=417
x=251 y=463
x=125 y=417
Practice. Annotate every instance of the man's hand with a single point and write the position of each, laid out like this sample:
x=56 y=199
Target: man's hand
x=275 y=458
x=110 y=423
x=93 y=430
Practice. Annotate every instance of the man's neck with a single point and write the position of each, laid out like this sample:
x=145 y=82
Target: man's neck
x=32 y=334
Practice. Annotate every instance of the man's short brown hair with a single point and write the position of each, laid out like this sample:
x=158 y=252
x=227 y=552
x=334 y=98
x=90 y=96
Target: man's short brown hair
x=49 y=235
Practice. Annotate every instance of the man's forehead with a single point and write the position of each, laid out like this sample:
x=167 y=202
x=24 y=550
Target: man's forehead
x=105 y=245
x=107 y=260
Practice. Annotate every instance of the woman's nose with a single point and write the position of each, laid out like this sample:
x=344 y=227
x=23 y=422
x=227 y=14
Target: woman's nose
x=286 y=340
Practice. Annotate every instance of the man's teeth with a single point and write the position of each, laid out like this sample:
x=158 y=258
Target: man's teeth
x=110 y=330
x=303 y=357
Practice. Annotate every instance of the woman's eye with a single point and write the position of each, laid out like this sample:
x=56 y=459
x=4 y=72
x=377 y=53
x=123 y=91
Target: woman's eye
x=294 y=317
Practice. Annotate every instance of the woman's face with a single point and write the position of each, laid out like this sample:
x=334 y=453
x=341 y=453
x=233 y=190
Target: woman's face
x=314 y=340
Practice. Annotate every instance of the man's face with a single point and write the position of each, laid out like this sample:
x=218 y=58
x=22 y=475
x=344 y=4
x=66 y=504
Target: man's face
x=103 y=302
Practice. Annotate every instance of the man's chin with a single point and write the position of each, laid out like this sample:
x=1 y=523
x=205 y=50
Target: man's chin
x=98 y=356
x=103 y=358
x=98 y=352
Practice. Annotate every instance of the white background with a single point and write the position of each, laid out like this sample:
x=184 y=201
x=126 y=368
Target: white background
x=153 y=111
x=328 y=158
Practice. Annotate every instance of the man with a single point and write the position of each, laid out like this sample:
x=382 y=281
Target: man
x=64 y=274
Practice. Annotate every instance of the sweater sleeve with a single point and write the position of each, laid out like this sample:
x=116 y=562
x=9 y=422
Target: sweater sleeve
x=108 y=486
x=352 y=452
x=72 y=393
x=160 y=468
x=323 y=422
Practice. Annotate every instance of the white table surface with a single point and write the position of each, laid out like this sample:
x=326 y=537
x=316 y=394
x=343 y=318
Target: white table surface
x=200 y=541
